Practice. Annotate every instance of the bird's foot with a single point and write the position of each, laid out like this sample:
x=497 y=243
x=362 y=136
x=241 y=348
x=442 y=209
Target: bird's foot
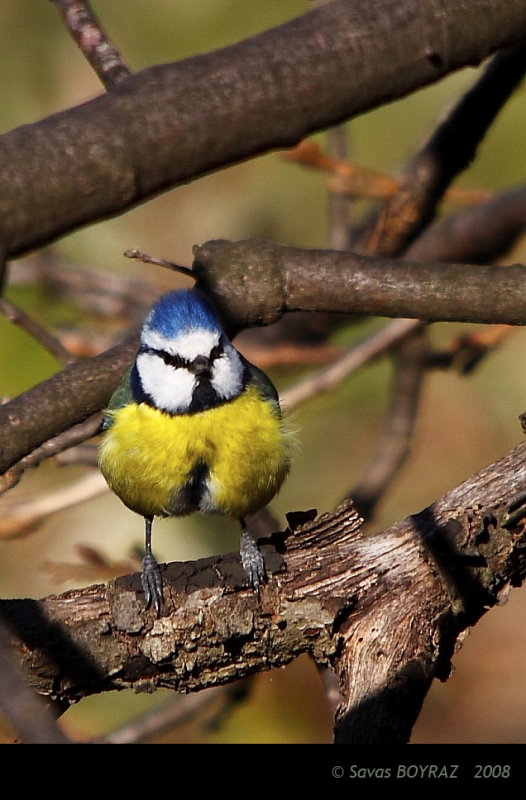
x=152 y=583
x=252 y=562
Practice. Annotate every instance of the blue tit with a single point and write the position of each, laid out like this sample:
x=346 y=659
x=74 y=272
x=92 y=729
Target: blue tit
x=193 y=426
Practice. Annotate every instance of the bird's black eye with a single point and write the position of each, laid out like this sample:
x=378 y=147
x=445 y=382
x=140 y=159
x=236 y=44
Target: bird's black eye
x=217 y=351
x=173 y=360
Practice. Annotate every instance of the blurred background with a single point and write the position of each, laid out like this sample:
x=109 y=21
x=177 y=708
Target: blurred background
x=465 y=422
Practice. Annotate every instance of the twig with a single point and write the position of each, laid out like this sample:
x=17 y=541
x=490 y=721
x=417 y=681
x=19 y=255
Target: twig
x=40 y=334
x=466 y=352
x=64 y=441
x=268 y=355
x=210 y=706
x=338 y=216
x=103 y=293
x=326 y=379
x=356 y=181
x=85 y=455
x=178 y=711
x=133 y=252
x=64 y=400
x=91 y=565
x=87 y=32
x=22 y=518
x=394 y=444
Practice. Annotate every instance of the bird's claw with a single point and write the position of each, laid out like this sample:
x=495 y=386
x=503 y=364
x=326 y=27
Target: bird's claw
x=253 y=562
x=152 y=583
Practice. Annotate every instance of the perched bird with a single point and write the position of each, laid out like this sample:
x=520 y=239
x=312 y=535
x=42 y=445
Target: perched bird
x=193 y=426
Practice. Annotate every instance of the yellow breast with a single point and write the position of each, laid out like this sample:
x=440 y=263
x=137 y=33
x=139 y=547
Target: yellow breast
x=241 y=447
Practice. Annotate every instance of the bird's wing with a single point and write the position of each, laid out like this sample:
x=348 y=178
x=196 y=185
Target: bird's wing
x=122 y=396
x=263 y=384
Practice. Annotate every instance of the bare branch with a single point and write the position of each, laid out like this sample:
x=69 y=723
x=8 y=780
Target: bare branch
x=327 y=378
x=64 y=441
x=134 y=252
x=40 y=334
x=65 y=399
x=353 y=180
x=177 y=711
x=451 y=149
x=22 y=518
x=477 y=236
x=171 y=123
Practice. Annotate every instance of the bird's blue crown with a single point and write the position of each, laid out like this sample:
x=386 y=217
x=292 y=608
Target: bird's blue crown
x=180 y=311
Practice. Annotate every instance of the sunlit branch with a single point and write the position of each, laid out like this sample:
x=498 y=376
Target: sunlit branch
x=450 y=149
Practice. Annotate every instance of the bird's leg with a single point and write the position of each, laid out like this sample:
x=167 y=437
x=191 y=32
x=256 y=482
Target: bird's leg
x=151 y=578
x=252 y=560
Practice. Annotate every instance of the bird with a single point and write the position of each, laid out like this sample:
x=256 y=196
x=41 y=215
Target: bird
x=193 y=427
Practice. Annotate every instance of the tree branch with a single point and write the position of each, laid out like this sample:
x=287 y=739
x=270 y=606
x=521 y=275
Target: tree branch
x=171 y=123
x=450 y=150
x=478 y=236
x=255 y=282
x=66 y=399
x=384 y=610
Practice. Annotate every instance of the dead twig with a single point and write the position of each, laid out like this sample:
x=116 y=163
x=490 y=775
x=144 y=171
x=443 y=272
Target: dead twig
x=52 y=447
x=85 y=29
x=23 y=518
x=355 y=181
x=327 y=378
x=36 y=331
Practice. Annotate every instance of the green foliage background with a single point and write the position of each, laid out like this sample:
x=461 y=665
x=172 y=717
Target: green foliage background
x=465 y=423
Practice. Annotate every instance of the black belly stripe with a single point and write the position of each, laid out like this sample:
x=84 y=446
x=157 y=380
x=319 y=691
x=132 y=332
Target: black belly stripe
x=186 y=499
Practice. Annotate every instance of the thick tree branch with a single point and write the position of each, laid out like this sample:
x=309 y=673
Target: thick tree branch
x=66 y=399
x=384 y=610
x=174 y=122
x=256 y=282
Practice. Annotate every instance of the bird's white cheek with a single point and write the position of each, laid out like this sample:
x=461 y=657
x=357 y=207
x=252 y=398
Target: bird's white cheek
x=170 y=389
x=227 y=375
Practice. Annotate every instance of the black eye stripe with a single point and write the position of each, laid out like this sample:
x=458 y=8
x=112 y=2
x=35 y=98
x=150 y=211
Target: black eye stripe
x=169 y=359
x=177 y=361
x=173 y=361
x=216 y=352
